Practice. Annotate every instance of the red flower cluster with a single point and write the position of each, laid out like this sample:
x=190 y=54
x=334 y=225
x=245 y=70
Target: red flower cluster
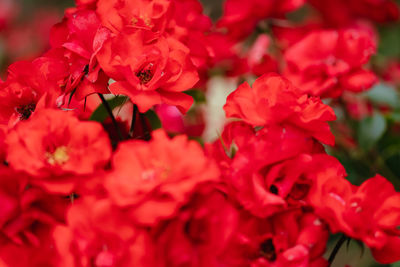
x=325 y=63
x=240 y=18
x=84 y=183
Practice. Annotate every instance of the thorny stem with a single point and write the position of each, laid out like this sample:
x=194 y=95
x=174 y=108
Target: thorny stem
x=109 y=111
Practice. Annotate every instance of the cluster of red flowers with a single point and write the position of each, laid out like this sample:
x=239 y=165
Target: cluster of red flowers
x=116 y=192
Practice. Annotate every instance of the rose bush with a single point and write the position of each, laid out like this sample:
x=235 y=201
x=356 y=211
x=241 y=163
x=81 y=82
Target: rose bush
x=88 y=178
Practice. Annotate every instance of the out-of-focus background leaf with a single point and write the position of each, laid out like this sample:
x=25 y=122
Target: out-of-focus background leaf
x=371 y=130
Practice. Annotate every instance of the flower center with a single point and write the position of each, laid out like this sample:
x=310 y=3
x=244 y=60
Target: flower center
x=274 y=190
x=158 y=170
x=299 y=191
x=25 y=111
x=145 y=74
x=267 y=249
x=59 y=156
x=197 y=230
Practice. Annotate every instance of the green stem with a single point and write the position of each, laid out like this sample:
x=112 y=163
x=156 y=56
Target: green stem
x=109 y=111
x=134 y=114
x=336 y=249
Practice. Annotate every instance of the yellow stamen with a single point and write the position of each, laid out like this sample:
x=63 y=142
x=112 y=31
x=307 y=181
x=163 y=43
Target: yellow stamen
x=59 y=156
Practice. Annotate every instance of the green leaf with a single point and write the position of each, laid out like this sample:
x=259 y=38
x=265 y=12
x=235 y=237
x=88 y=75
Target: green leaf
x=389 y=40
x=396 y=264
x=153 y=119
x=395 y=116
x=100 y=114
x=197 y=95
x=383 y=94
x=370 y=130
x=300 y=14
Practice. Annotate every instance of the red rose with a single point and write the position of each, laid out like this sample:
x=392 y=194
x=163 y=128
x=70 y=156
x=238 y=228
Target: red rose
x=28 y=86
x=369 y=212
x=344 y=12
x=151 y=15
x=273 y=100
x=155 y=72
x=240 y=18
x=27 y=212
x=326 y=62
x=155 y=178
x=97 y=234
x=54 y=146
x=290 y=238
x=199 y=233
x=76 y=41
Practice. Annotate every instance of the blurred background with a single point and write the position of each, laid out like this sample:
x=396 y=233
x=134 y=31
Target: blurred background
x=24 y=33
x=25 y=27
